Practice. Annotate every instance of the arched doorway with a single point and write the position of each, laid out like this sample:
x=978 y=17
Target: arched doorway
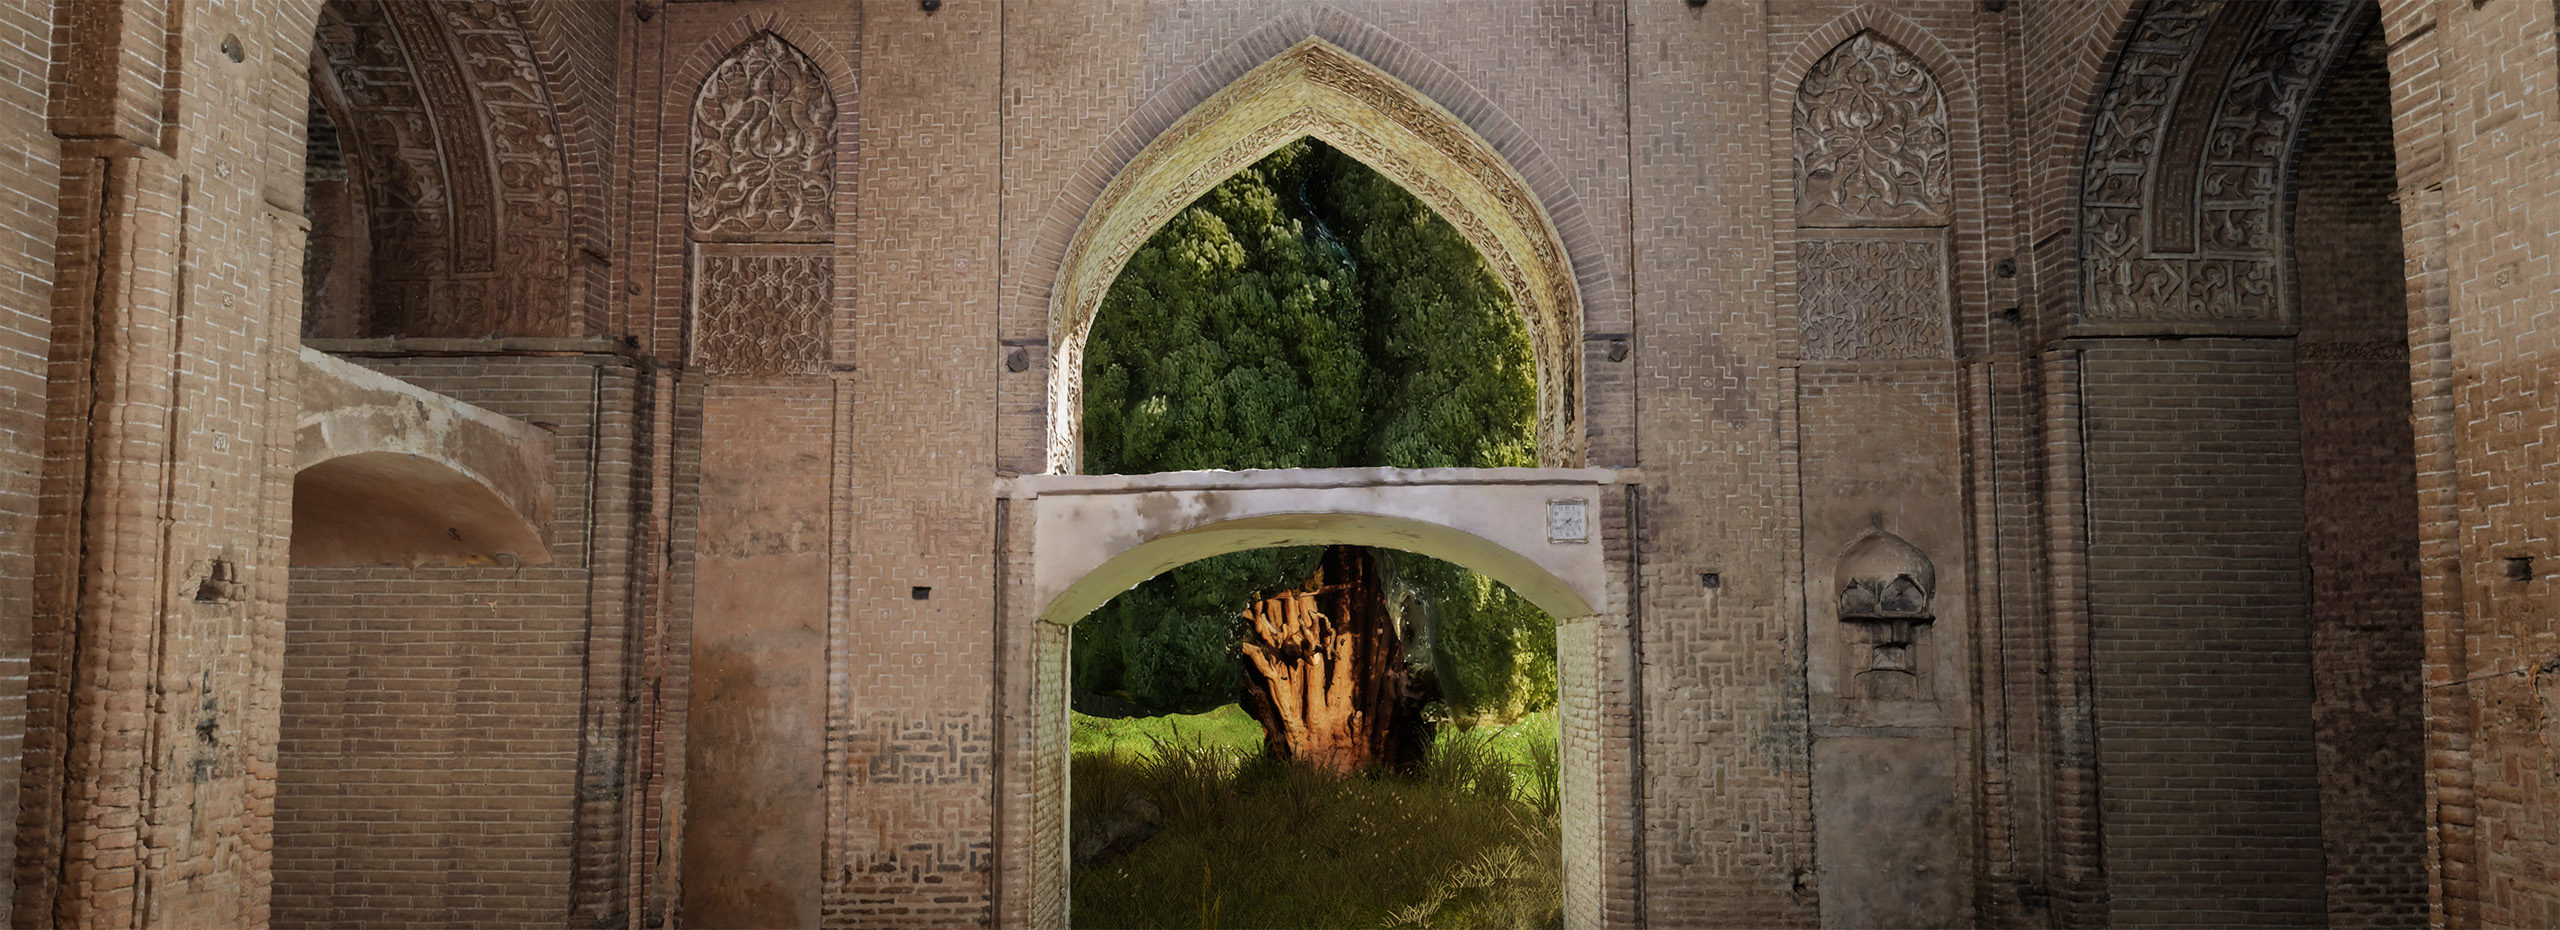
x=1316 y=90
x=1075 y=541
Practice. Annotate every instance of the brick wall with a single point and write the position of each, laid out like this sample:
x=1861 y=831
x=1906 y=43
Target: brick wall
x=2360 y=501
x=2474 y=91
x=2198 y=632
x=29 y=181
x=431 y=739
x=1723 y=664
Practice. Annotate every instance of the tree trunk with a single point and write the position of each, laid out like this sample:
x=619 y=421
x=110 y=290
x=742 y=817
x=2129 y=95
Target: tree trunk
x=1325 y=673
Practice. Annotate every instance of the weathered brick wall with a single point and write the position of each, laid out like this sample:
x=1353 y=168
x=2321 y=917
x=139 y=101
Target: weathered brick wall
x=29 y=180
x=910 y=827
x=428 y=770
x=2360 y=502
x=168 y=412
x=2198 y=632
x=1722 y=664
x=2473 y=91
x=1656 y=134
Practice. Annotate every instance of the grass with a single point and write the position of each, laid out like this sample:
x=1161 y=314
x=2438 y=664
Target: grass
x=1249 y=842
x=1227 y=726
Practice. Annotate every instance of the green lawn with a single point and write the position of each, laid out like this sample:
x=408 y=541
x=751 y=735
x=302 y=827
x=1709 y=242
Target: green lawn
x=1247 y=842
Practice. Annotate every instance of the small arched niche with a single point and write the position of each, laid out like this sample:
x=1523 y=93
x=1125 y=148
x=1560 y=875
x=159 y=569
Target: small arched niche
x=1886 y=585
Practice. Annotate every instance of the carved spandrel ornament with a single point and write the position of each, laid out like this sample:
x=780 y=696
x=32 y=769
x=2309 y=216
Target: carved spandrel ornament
x=1871 y=140
x=762 y=314
x=2182 y=194
x=763 y=146
x=1872 y=298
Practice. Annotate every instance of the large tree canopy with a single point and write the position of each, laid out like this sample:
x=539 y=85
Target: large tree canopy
x=1308 y=313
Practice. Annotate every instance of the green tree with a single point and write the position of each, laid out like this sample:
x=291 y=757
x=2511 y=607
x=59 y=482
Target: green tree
x=1458 y=391
x=1306 y=313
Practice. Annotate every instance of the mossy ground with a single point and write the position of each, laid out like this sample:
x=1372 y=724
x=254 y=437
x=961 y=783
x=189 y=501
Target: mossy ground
x=1473 y=841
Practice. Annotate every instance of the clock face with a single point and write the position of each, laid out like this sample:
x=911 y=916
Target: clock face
x=1568 y=521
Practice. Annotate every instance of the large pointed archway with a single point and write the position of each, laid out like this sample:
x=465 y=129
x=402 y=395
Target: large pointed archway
x=1315 y=89
x=1069 y=542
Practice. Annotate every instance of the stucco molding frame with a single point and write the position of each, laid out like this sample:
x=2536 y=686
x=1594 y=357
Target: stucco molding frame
x=1316 y=89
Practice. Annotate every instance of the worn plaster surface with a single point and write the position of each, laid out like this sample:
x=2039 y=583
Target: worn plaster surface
x=390 y=472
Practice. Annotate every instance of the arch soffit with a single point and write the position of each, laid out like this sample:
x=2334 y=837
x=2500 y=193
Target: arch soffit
x=1556 y=595
x=512 y=170
x=2150 y=260
x=1316 y=89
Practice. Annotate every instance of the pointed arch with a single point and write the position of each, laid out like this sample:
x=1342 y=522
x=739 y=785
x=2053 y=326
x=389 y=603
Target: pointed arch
x=1316 y=89
x=1872 y=140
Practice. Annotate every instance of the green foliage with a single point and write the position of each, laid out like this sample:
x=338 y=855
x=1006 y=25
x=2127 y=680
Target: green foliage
x=1492 y=652
x=1305 y=313
x=1458 y=383
x=1227 y=726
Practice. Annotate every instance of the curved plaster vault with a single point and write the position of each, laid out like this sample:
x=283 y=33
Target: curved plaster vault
x=388 y=472
x=1534 y=529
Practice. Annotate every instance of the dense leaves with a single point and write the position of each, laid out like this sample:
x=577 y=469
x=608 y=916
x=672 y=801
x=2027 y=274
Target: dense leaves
x=1307 y=313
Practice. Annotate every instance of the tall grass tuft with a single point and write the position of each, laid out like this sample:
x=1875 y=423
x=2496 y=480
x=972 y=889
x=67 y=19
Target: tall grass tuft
x=1247 y=841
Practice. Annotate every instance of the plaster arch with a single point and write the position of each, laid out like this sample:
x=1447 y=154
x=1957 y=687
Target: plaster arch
x=387 y=472
x=1316 y=89
x=1099 y=535
x=1093 y=536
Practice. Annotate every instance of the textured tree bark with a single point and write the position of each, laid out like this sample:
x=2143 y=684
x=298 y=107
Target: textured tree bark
x=1324 y=671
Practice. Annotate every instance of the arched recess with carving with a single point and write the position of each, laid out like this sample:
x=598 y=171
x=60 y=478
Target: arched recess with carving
x=461 y=223
x=2185 y=179
x=1877 y=118
x=1316 y=89
x=1875 y=198
x=760 y=212
x=2210 y=322
x=813 y=63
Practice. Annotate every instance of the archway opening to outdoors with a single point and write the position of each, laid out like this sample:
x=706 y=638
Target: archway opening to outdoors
x=1349 y=753
x=1309 y=312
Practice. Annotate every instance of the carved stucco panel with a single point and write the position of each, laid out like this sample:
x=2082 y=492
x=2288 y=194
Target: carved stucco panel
x=532 y=169
x=2183 y=191
x=1873 y=298
x=763 y=145
x=762 y=313
x=1871 y=139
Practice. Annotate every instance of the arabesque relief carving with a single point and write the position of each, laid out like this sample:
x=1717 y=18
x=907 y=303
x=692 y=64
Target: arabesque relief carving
x=1872 y=298
x=763 y=145
x=2182 y=193
x=763 y=159
x=1871 y=140
x=467 y=177
x=762 y=314
x=533 y=178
